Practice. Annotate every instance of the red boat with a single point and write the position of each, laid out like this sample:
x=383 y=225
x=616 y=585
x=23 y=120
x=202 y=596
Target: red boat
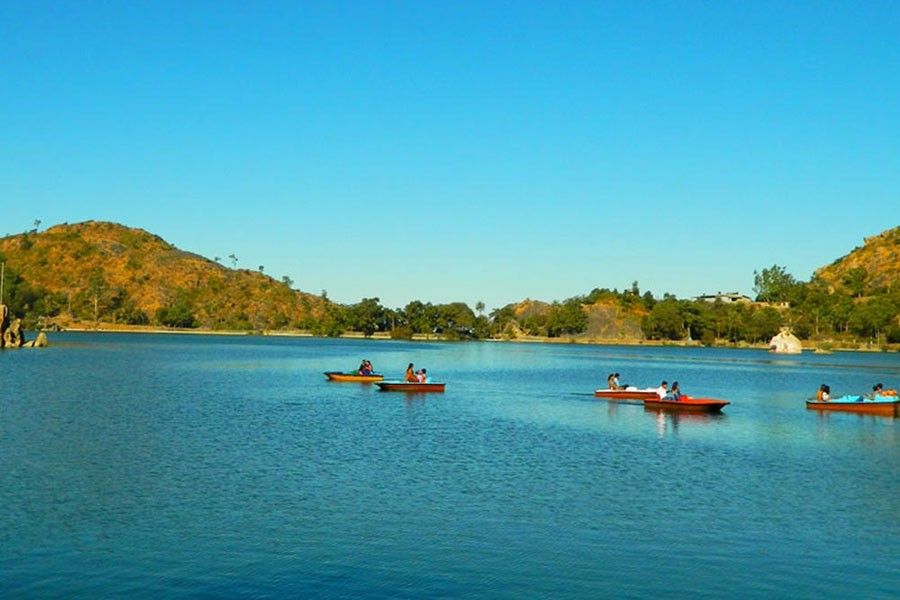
x=687 y=404
x=620 y=395
x=409 y=386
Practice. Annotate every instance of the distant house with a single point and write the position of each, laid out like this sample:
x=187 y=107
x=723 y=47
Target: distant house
x=729 y=298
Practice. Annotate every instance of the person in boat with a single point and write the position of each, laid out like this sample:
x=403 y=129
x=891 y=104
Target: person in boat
x=613 y=381
x=878 y=390
x=663 y=389
x=421 y=376
x=411 y=374
x=365 y=368
x=823 y=394
x=675 y=393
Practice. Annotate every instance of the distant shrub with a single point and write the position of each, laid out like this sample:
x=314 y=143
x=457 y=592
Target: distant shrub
x=402 y=333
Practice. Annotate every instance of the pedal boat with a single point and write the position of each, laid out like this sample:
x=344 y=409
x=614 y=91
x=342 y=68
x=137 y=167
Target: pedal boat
x=626 y=395
x=887 y=406
x=353 y=377
x=687 y=404
x=409 y=386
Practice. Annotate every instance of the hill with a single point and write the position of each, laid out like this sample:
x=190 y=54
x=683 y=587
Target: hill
x=108 y=272
x=872 y=267
x=600 y=315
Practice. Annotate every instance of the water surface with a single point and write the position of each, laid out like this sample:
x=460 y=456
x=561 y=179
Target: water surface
x=148 y=465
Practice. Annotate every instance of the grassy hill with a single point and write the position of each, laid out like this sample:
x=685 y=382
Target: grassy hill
x=125 y=275
x=874 y=266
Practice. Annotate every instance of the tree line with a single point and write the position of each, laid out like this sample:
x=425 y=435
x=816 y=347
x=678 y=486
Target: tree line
x=856 y=310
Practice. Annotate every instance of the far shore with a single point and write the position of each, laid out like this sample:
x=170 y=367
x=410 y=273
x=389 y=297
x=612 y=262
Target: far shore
x=821 y=347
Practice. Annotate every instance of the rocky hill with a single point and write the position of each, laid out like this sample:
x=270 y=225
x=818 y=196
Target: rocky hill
x=607 y=318
x=872 y=267
x=112 y=273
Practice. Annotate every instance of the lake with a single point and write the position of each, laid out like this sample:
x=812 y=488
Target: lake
x=143 y=466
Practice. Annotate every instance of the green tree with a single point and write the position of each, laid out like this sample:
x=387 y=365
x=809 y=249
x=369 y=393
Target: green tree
x=566 y=319
x=856 y=280
x=774 y=284
x=665 y=321
x=178 y=313
x=367 y=316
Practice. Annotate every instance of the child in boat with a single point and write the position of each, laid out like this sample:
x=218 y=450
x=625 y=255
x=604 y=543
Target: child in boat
x=878 y=390
x=663 y=389
x=823 y=394
x=421 y=376
x=674 y=393
x=410 y=374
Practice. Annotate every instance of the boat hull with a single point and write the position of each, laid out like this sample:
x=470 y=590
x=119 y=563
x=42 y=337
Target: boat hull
x=626 y=395
x=409 y=387
x=687 y=404
x=885 y=408
x=353 y=377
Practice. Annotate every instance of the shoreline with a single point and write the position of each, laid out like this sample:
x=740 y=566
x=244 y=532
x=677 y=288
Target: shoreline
x=808 y=347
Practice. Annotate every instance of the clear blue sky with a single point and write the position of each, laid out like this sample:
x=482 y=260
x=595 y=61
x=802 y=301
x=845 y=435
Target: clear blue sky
x=465 y=151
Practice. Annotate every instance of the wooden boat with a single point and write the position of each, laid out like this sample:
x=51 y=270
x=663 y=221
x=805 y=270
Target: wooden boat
x=409 y=386
x=687 y=404
x=887 y=406
x=625 y=395
x=353 y=377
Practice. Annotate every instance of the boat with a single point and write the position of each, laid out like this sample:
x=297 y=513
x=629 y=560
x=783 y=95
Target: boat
x=409 y=386
x=687 y=404
x=353 y=377
x=888 y=406
x=626 y=394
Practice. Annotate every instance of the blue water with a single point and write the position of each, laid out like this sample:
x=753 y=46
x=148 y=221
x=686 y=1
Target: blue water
x=184 y=466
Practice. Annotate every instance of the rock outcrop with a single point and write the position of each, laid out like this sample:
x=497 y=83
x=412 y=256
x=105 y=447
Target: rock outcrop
x=12 y=334
x=785 y=343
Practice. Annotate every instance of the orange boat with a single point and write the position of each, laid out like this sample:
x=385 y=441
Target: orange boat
x=409 y=386
x=886 y=406
x=625 y=395
x=353 y=377
x=687 y=404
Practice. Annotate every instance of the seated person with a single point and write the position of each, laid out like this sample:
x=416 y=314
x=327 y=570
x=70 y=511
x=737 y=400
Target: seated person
x=410 y=374
x=823 y=394
x=421 y=376
x=663 y=389
x=674 y=393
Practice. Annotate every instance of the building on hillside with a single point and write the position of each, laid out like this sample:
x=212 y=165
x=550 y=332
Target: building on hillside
x=785 y=343
x=729 y=298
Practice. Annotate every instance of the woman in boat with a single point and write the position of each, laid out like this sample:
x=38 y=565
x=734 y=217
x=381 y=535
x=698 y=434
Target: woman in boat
x=823 y=394
x=364 y=368
x=674 y=393
x=613 y=381
x=878 y=390
x=410 y=374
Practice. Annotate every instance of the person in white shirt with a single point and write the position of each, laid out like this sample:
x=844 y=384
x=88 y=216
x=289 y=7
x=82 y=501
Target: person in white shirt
x=662 y=390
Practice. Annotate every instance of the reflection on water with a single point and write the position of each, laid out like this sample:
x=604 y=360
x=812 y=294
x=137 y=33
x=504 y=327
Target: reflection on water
x=669 y=421
x=148 y=466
